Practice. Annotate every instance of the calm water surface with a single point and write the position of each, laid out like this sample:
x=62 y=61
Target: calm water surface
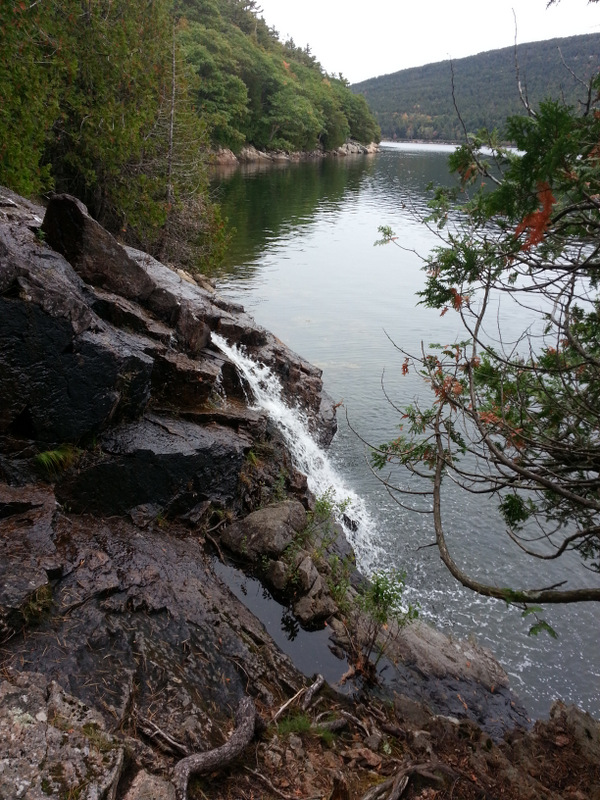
x=304 y=264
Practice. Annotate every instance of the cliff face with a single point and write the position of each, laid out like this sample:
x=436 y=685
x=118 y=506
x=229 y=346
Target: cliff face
x=129 y=460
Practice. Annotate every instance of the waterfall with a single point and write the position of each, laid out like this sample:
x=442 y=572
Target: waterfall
x=308 y=457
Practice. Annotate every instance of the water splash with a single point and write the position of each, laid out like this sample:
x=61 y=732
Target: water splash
x=307 y=455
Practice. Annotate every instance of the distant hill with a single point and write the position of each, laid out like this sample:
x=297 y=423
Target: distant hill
x=417 y=103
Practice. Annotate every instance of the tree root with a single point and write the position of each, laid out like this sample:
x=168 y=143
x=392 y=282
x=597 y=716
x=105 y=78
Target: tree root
x=198 y=763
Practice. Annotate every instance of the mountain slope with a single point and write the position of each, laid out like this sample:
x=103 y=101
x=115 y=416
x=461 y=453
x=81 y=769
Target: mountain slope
x=417 y=103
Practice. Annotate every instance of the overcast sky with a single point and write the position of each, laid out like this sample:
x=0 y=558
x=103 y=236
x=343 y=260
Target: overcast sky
x=365 y=38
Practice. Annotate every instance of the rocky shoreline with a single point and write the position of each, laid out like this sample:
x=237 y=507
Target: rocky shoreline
x=250 y=155
x=134 y=481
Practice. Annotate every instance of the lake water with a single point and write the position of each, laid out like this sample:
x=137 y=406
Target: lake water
x=304 y=264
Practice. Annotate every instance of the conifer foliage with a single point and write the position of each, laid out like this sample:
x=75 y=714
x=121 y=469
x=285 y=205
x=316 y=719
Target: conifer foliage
x=91 y=104
x=516 y=417
x=118 y=101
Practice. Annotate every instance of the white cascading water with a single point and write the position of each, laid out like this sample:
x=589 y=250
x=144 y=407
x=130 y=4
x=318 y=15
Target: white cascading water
x=307 y=455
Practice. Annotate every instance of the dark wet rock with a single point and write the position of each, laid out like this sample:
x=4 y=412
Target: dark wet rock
x=28 y=557
x=93 y=252
x=127 y=315
x=182 y=382
x=52 y=744
x=157 y=460
x=266 y=532
x=57 y=386
x=240 y=418
x=193 y=332
x=151 y=632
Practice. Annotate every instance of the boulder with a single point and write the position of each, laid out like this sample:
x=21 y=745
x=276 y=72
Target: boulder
x=266 y=532
x=157 y=459
x=91 y=250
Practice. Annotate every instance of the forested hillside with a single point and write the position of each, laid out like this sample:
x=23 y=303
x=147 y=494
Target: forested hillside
x=255 y=89
x=119 y=101
x=417 y=103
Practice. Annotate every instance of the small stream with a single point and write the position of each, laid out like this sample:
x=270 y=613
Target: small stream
x=309 y=458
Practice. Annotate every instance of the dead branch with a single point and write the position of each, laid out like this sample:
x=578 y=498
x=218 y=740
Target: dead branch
x=162 y=739
x=288 y=703
x=356 y=721
x=332 y=725
x=268 y=784
x=312 y=690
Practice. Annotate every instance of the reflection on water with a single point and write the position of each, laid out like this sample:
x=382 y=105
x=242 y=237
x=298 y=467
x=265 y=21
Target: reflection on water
x=303 y=263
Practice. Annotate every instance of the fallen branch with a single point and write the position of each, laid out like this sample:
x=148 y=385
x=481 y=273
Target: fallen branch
x=356 y=721
x=162 y=739
x=198 y=763
x=332 y=725
x=268 y=783
x=398 y=783
x=288 y=703
x=215 y=543
x=312 y=690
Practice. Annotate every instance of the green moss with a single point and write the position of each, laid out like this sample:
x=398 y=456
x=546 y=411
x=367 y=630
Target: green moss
x=294 y=723
x=53 y=462
x=97 y=737
x=38 y=605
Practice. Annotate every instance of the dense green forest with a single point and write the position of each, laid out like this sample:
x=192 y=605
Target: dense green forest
x=255 y=89
x=119 y=102
x=417 y=103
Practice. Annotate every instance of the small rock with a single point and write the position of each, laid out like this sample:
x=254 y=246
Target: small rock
x=277 y=575
x=150 y=787
x=295 y=743
x=273 y=759
x=374 y=742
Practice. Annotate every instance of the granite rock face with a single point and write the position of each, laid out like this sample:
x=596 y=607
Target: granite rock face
x=53 y=745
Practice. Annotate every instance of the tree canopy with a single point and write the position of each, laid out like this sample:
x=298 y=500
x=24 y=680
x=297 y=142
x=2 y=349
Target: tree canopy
x=517 y=419
x=255 y=89
x=95 y=101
